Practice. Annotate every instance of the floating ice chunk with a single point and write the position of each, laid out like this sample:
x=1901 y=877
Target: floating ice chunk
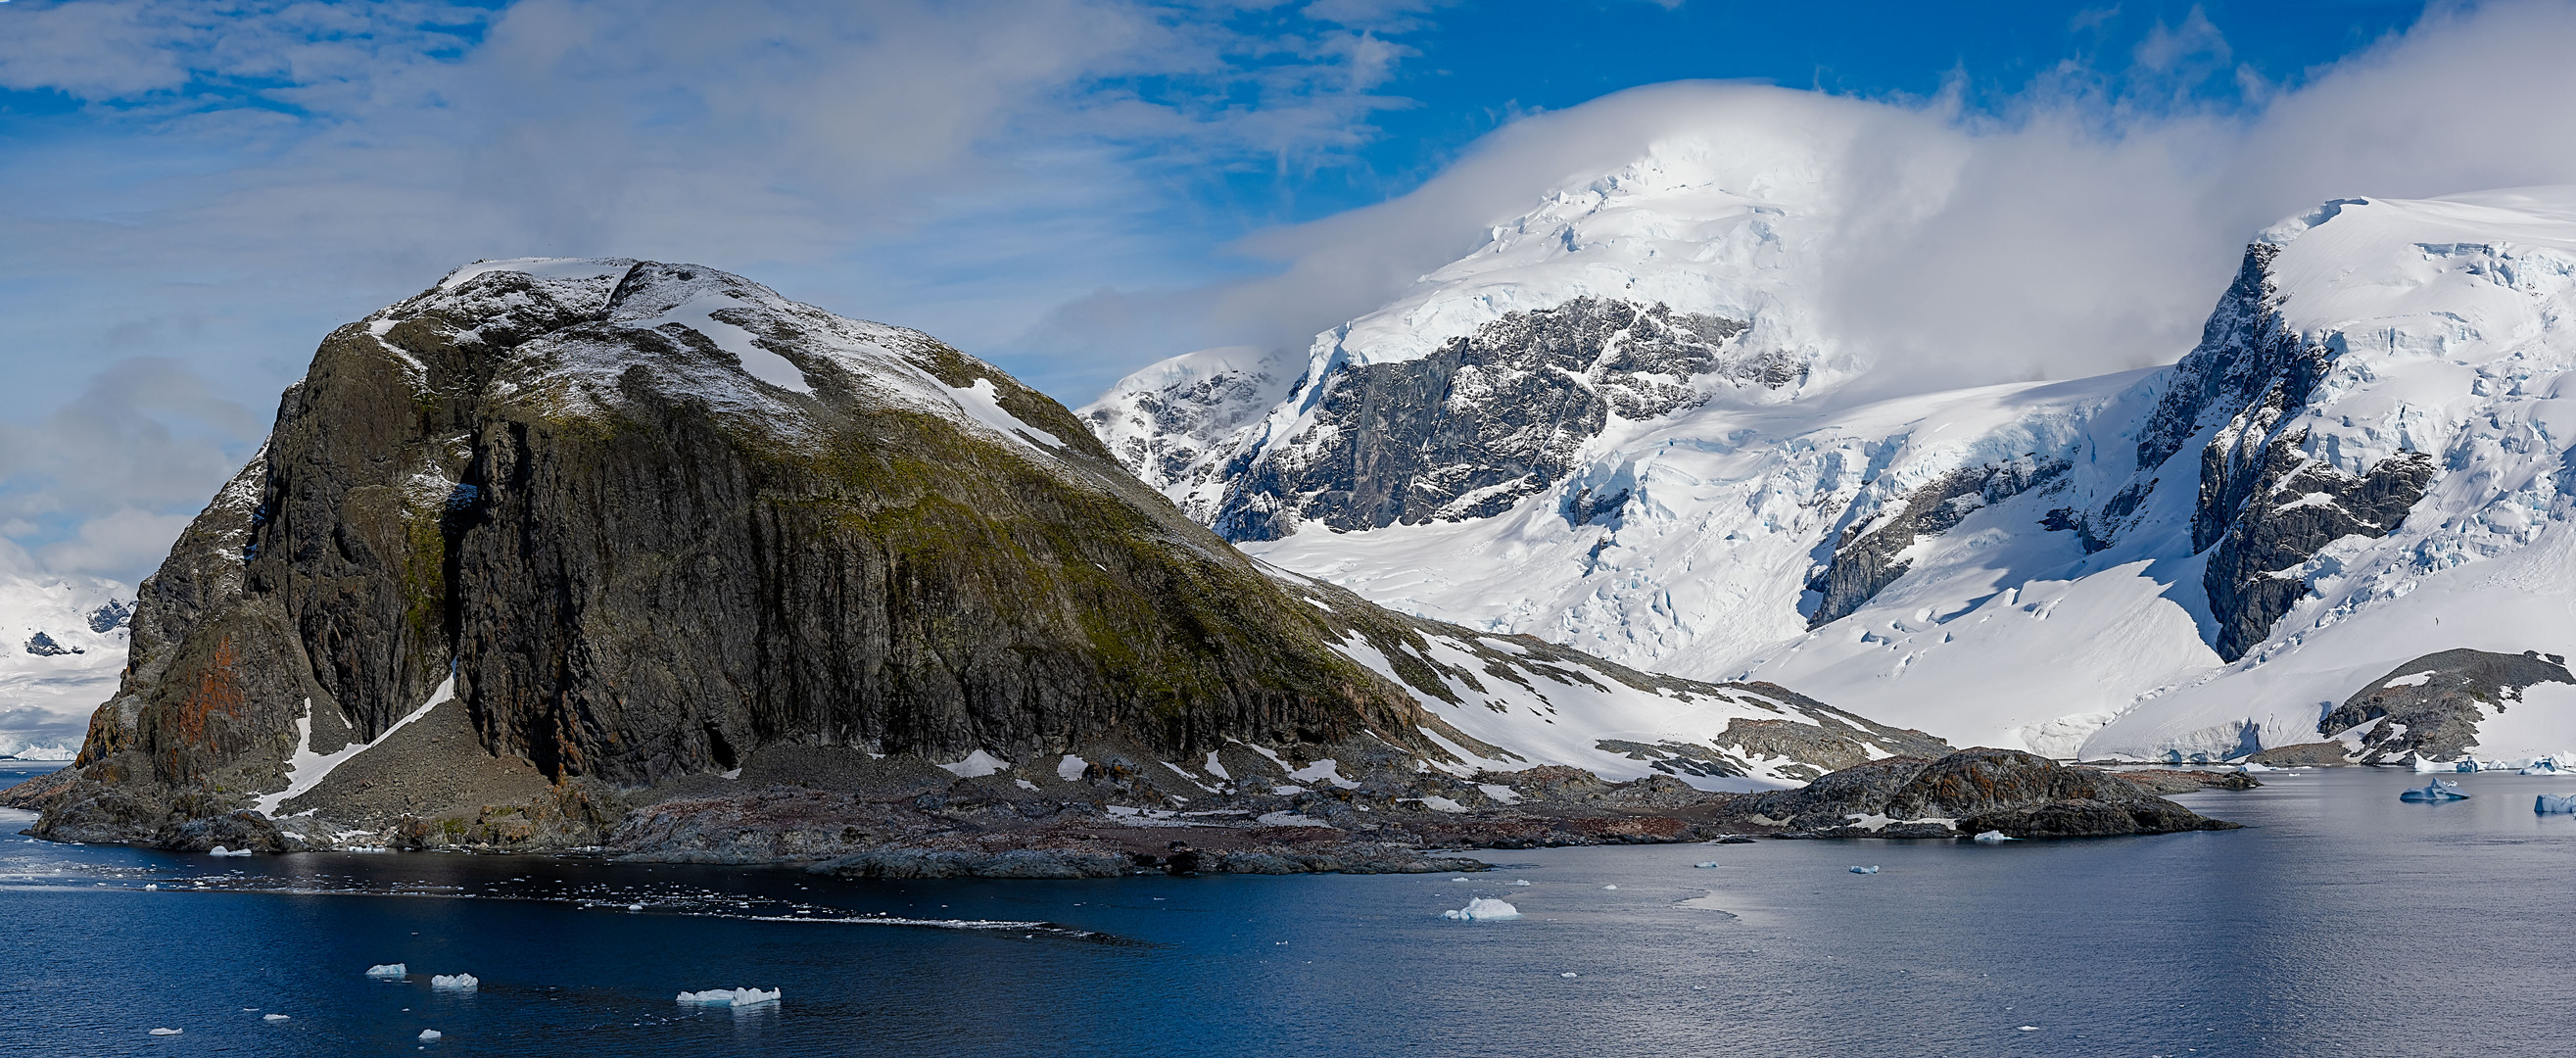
x=1482 y=908
x=2422 y=766
x=1705 y=863
x=455 y=982
x=2026 y=1028
x=390 y=971
x=1517 y=881
x=1460 y=878
x=2555 y=804
x=2437 y=790
x=430 y=1035
x=167 y=1032
x=731 y=997
x=1568 y=973
x=2545 y=766
x=150 y=886
x=635 y=907
x=1991 y=837
x=222 y=851
x=2250 y=767
x=1871 y=869
x=1609 y=887
x=272 y=1017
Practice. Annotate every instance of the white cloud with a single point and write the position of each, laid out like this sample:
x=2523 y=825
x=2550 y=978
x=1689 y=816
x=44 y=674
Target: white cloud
x=2088 y=230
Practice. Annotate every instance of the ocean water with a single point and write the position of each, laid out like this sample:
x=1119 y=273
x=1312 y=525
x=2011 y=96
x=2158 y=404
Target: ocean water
x=2342 y=922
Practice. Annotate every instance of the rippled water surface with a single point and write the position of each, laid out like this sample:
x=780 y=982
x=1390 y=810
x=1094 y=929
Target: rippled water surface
x=2342 y=923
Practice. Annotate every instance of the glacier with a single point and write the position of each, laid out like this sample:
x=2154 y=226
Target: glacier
x=2365 y=458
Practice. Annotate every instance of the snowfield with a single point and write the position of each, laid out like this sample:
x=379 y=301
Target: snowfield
x=2068 y=612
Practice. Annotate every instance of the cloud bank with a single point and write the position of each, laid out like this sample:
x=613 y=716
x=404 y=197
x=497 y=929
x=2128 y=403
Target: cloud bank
x=2080 y=232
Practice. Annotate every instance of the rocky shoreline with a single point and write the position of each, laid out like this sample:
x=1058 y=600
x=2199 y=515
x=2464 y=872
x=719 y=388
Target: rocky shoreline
x=854 y=816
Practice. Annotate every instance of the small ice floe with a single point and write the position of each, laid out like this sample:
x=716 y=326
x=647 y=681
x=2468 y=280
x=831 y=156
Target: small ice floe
x=455 y=982
x=167 y=1032
x=730 y=997
x=1482 y=908
x=1517 y=881
x=1991 y=837
x=1568 y=973
x=151 y=886
x=389 y=971
x=222 y=851
x=2437 y=790
x=272 y=1017
x=430 y=1035
x=1871 y=869
x=2026 y=1028
x=635 y=907
x=2555 y=804
x=1609 y=887
x=2254 y=768
x=1460 y=878
x=1705 y=863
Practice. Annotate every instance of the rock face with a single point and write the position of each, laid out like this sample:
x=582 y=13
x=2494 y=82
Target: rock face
x=650 y=518
x=556 y=545
x=2430 y=707
x=1967 y=793
x=1481 y=423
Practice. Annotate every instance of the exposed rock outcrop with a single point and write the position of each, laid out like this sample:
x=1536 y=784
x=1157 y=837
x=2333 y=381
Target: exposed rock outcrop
x=651 y=518
x=1482 y=422
x=1865 y=559
x=2430 y=707
x=1967 y=793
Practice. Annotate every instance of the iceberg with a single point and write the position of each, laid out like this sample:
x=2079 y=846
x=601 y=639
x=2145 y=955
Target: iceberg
x=167 y=1032
x=1991 y=837
x=731 y=997
x=427 y=1035
x=2545 y=766
x=1482 y=908
x=272 y=1017
x=2422 y=766
x=2555 y=804
x=2437 y=790
x=222 y=851
x=1871 y=869
x=390 y=971
x=457 y=982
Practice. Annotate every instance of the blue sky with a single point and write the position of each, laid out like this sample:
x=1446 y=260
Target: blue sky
x=195 y=192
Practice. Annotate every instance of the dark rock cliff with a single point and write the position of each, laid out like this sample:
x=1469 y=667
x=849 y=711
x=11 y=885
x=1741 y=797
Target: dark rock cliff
x=1483 y=422
x=635 y=560
x=2265 y=505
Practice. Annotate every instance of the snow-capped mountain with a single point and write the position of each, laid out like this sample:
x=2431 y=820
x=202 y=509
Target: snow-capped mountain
x=2362 y=462
x=1684 y=278
x=62 y=644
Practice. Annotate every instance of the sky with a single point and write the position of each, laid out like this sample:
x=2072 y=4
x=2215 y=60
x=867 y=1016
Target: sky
x=193 y=193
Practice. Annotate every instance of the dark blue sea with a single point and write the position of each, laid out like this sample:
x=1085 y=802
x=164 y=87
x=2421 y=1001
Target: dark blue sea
x=2341 y=922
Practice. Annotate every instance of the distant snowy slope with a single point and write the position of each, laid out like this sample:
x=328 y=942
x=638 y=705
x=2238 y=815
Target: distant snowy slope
x=2363 y=461
x=62 y=646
